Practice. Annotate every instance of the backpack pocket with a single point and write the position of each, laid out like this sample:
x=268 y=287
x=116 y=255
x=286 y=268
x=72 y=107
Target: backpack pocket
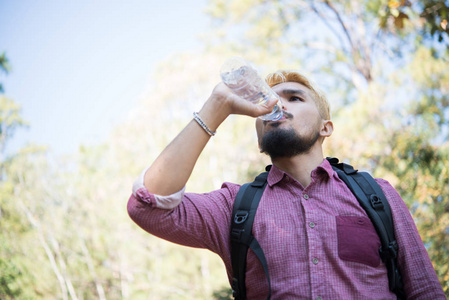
x=358 y=240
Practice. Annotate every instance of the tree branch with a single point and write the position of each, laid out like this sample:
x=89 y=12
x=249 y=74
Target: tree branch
x=342 y=23
x=91 y=268
x=328 y=25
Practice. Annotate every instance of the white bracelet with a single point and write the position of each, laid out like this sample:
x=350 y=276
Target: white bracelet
x=197 y=118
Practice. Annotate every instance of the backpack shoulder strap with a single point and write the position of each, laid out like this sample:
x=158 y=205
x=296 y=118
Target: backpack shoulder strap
x=373 y=201
x=242 y=239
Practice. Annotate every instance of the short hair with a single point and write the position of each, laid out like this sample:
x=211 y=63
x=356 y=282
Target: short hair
x=282 y=76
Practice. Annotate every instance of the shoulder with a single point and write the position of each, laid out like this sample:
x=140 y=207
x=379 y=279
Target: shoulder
x=394 y=198
x=388 y=189
x=232 y=187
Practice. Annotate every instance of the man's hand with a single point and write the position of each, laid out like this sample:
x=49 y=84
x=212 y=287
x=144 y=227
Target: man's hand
x=231 y=103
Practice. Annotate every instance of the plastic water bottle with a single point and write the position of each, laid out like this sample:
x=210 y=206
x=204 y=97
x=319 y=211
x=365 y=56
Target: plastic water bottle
x=244 y=81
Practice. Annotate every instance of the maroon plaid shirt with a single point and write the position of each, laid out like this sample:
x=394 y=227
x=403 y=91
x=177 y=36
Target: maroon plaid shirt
x=318 y=241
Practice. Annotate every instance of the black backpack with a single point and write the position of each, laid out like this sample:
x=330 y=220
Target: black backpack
x=362 y=185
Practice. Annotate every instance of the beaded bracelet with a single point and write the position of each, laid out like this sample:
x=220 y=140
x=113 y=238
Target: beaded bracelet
x=197 y=118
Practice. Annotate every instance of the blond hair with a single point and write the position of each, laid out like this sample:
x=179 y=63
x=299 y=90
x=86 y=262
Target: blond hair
x=319 y=97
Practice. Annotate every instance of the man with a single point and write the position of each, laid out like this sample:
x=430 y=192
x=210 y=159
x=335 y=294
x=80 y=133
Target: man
x=306 y=218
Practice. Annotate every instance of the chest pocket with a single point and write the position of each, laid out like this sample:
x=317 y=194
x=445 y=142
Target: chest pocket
x=358 y=240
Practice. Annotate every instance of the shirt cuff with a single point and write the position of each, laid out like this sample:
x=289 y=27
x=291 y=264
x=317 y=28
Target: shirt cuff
x=163 y=202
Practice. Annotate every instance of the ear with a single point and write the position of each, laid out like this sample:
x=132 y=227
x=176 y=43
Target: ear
x=327 y=127
x=259 y=127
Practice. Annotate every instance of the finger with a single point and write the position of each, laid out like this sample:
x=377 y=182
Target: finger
x=254 y=110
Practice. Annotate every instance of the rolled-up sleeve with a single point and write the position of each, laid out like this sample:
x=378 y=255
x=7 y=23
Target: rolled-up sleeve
x=163 y=202
x=189 y=219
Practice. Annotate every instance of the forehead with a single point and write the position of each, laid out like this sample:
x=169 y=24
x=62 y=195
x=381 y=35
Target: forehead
x=289 y=88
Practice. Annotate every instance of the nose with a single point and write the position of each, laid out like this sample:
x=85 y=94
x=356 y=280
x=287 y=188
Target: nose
x=282 y=104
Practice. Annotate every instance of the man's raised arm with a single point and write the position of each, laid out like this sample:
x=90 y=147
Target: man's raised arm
x=170 y=171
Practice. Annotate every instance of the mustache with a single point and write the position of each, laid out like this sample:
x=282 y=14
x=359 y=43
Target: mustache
x=288 y=115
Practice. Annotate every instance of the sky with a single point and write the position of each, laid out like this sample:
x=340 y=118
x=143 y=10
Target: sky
x=79 y=67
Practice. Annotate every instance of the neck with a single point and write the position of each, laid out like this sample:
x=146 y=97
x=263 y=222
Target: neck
x=300 y=166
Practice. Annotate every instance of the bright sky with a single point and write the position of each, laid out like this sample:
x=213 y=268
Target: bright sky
x=79 y=66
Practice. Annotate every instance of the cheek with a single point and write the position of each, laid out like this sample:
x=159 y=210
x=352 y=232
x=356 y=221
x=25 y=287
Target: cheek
x=311 y=114
x=310 y=123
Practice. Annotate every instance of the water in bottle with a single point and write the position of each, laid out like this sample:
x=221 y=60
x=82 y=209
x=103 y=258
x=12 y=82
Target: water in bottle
x=244 y=81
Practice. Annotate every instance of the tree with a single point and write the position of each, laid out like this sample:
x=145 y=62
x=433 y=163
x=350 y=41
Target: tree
x=10 y=121
x=14 y=272
x=10 y=118
x=429 y=17
x=4 y=67
x=419 y=152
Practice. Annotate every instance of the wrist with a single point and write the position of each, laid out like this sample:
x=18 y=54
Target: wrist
x=214 y=112
x=202 y=124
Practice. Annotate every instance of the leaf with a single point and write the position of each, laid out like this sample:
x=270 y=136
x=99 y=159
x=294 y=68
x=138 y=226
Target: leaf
x=399 y=20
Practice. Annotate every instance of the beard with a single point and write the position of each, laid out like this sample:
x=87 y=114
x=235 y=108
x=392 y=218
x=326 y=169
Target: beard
x=287 y=143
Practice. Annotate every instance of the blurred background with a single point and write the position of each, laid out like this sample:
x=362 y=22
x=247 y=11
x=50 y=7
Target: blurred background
x=92 y=91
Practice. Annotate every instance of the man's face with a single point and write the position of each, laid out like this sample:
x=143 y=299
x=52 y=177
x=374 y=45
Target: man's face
x=300 y=127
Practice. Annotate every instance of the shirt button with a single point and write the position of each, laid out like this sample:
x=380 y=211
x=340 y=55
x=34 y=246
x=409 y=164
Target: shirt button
x=315 y=261
x=311 y=224
x=306 y=196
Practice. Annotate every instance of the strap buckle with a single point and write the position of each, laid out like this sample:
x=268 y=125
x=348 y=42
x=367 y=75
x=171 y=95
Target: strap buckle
x=391 y=252
x=240 y=216
x=376 y=202
x=236 y=234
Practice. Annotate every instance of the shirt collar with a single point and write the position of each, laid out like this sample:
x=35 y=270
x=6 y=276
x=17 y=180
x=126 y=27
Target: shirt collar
x=324 y=170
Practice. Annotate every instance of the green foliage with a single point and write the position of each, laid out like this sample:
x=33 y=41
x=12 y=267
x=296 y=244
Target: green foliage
x=10 y=120
x=8 y=278
x=436 y=14
x=4 y=67
x=429 y=17
x=419 y=155
x=4 y=63
x=223 y=294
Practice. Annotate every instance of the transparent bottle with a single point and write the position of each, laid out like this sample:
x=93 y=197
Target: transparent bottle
x=244 y=81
